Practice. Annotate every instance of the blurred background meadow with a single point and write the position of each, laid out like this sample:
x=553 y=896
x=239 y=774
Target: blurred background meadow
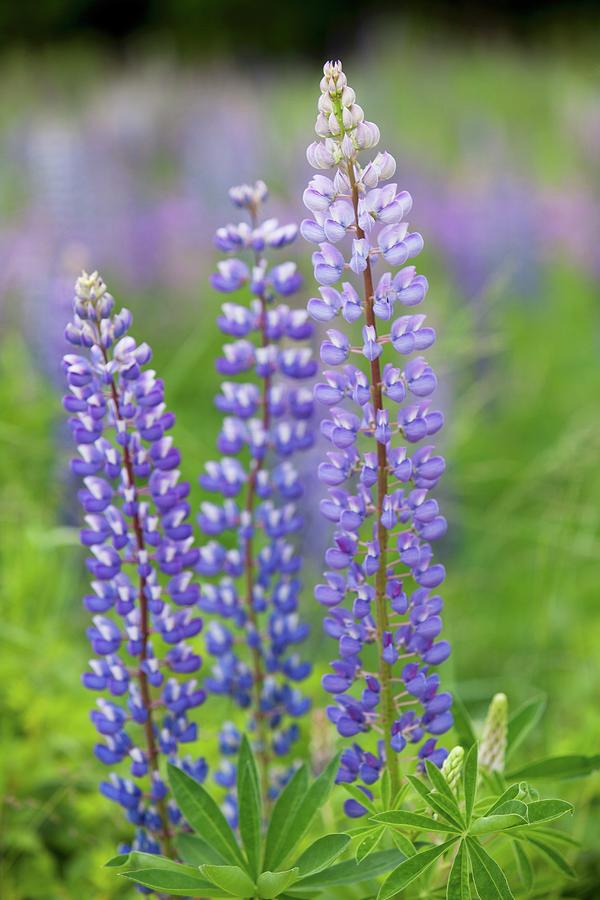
x=119 y=136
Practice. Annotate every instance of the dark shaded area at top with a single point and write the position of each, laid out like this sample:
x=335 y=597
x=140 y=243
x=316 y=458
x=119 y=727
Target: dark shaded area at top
x=291 y=28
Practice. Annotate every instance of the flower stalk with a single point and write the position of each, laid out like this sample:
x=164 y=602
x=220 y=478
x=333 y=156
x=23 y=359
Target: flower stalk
x=255 y=589
x=142 y=552
x=378 y=493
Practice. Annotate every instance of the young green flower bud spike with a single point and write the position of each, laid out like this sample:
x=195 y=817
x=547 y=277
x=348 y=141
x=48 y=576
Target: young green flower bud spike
x=492 y=750
x=452 y=767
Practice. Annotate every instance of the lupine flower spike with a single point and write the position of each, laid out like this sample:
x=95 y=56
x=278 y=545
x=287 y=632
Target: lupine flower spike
x=452 y=767
x=143 y=594
x=492 y=749
x=266 y=421
x=381 y=561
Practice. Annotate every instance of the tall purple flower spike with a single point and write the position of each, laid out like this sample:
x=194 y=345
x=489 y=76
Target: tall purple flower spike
x=381 y=561
x=256 y=588
x=142 y=556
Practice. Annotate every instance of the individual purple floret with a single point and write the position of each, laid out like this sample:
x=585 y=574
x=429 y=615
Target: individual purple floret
x=143 y=597
x=252 y=555
x=380 y=587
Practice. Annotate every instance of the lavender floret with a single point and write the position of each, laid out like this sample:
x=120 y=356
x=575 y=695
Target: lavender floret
x=144 y=595
x=380 y=587
x=250 y=566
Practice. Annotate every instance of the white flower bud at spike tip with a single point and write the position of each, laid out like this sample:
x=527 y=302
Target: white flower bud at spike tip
x=492 y=750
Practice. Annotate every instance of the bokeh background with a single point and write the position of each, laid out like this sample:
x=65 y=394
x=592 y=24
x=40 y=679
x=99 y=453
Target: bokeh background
x=121 y=127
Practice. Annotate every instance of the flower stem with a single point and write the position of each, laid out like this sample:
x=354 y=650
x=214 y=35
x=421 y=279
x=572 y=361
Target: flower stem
x=145 y=692
x=258 y=675
x=385 y=671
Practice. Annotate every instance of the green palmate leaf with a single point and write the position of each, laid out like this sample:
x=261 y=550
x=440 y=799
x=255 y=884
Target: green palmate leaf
x=249 y=806
x=554 y=834
x=399 y=818
x=299 y=822
x=510 y=793
x=551 y=853
x=358 y=795
x=442 y=805
x=458 y=880
x=489 y=824
x=490 y=880
x=559 y=767
x=463 y=724
x=512 y=806
x=196 y=852
x=402 y=843
x=185 y=883
x=231 y=879
x=369 y=844
x=433 y=799
x=522 y=722
x=360 y=831
x=409 y=870
x=322 y=853
x=470 y=781
x=440 y=784
x=203 y=814
x=117 y=862
x=524 y=866
x=350 y=872
x=273 y=884
x=285 y=808
x=545 y=810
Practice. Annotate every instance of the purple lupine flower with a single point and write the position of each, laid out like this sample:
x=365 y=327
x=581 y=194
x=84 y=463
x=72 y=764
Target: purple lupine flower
x=380 y=587
x=143 y=595
x=255 y=589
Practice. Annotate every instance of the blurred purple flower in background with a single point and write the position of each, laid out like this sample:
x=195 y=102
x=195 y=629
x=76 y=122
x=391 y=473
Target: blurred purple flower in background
x=132 y=175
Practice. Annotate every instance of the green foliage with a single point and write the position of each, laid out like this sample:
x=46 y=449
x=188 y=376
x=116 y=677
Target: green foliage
x=259 y=866
x=473 y=838
x=522 y=491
